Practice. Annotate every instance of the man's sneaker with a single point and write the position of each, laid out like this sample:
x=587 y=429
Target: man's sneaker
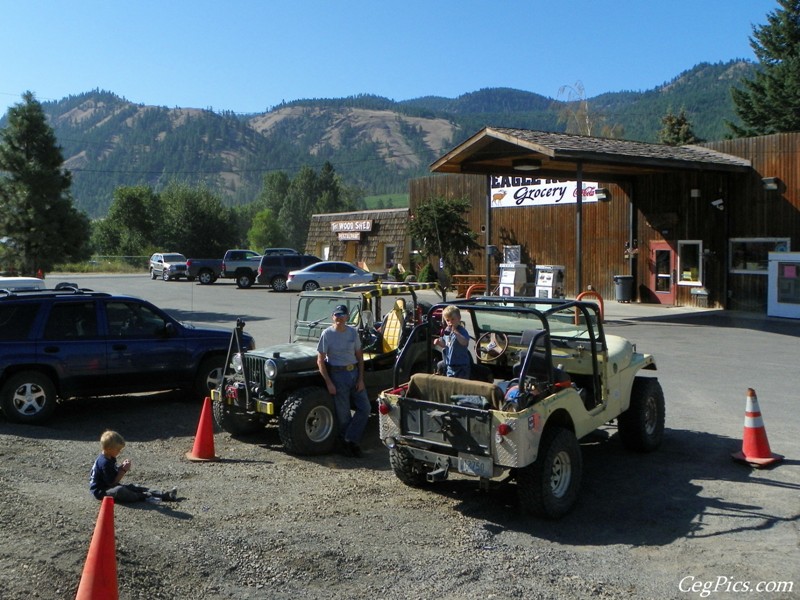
x=153 y=500
x=171 y=495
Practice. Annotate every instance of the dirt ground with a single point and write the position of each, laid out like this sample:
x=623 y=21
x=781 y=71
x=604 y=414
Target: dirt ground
x=263 y=524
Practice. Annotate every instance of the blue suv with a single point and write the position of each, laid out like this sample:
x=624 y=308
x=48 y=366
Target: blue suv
x=67 y=343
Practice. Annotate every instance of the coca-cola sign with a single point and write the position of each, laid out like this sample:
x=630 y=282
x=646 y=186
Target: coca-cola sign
x=509 y=192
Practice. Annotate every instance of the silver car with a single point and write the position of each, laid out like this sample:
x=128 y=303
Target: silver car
x=329 y=273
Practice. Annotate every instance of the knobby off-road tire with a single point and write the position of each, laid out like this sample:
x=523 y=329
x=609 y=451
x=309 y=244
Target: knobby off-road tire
x=279 y=284
x=232 y=421
x=206 y=277
x=28 y=397
x=549 y=487
x=307 y=424
x=407 y=469
x=641 y=427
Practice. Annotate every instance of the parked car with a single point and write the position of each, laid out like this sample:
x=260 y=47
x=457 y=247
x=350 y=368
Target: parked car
x=274 y=268
x=60 y=344
x=241 y=265
x=327 y=273
x=168 y=265
x=555 y=377
x=21 y=283
x=271 y=251
x=206 y=270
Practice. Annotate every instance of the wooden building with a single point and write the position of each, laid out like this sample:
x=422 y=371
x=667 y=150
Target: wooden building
x=687 y=226
x=375 y=238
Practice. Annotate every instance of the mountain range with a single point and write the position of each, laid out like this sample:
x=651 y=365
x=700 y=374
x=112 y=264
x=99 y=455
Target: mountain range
x=375 y=144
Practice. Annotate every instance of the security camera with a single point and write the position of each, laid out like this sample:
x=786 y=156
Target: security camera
x=718 y=204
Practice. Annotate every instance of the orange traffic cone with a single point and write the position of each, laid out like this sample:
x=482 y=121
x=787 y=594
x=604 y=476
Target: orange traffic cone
x=203 y=449
x=99 y=578
x=755 y=446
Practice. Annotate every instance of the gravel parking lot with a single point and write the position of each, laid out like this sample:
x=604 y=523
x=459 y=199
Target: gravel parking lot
x=684 y=522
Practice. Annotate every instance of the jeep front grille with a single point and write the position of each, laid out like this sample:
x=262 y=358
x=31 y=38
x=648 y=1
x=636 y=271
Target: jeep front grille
x=255 y=369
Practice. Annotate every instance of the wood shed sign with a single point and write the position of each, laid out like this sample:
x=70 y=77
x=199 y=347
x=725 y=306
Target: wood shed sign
x=339 y=226
x=351 y=230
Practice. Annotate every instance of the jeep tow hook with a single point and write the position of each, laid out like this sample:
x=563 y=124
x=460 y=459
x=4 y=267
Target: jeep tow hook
x=440 y=472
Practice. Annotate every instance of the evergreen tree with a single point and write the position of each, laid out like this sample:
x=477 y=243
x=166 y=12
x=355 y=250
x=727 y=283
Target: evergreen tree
x=295 y=215
x=130 y=229
x=266 y=231
x=770 y=102
x=676 y=130
x=439 y=225
x=39 y=225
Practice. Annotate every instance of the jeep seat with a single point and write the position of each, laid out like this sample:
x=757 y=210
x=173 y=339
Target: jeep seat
x=392 y=328
x=439 y=388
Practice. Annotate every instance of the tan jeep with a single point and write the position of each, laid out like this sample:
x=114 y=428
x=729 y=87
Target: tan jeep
x=555 y=378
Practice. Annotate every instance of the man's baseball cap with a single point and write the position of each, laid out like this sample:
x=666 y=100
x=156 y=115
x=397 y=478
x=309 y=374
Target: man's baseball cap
x=341 y=311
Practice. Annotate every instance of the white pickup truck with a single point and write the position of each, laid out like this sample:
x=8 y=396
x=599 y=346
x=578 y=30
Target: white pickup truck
x=550 y=377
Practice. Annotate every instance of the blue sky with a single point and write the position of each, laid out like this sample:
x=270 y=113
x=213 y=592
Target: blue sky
x=249 y=55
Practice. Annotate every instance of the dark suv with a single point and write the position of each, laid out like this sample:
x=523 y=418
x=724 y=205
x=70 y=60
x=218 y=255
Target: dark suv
x=274 y=269
x=70 y=343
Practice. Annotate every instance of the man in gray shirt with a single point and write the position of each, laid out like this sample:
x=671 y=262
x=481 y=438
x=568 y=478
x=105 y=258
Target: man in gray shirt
x=341 y=362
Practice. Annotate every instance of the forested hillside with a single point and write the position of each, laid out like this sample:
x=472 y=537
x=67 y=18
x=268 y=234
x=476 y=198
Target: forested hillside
x=375 y=144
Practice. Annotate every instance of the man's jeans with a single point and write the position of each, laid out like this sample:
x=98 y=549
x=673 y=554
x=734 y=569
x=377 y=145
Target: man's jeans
x=351 y=427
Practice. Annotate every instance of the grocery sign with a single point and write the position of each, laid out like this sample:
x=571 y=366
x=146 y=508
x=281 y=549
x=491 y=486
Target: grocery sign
x=511 y=192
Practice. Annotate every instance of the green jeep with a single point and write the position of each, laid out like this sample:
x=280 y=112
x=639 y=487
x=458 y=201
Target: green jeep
x=555 y=378
x=282 y=381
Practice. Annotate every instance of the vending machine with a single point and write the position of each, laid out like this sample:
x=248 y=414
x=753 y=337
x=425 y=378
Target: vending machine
x=783 y=280
x=550 y=281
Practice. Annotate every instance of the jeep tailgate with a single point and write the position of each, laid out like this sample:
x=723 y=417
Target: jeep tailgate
x=456 y=428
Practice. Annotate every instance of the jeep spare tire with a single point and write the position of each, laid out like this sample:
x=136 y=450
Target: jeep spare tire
x=308 y=422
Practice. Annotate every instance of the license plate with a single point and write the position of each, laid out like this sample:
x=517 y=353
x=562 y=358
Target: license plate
x=479 y=466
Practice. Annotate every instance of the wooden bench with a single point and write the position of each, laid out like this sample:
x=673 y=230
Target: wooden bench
x=462 y=283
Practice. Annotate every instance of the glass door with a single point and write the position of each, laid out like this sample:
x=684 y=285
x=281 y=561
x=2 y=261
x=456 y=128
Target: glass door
x=662 y=272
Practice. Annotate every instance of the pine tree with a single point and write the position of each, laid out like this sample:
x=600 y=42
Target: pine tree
x=39 y=225
x=770 y=102
x=676 y=130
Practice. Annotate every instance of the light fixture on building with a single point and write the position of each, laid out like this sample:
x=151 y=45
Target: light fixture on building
x=770 y=183
x=602 y=194
x=694 y=193
x=526 y=164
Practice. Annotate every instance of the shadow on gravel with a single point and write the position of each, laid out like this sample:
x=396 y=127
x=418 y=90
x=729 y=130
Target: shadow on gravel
x=639 y=499
x=143 y=417
x=717 y=318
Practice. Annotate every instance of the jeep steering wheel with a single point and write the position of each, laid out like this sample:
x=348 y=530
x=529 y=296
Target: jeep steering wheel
x=491 y=346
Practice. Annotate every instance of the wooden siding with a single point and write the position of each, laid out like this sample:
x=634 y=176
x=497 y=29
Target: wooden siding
x=650 y=208
x=389 y=227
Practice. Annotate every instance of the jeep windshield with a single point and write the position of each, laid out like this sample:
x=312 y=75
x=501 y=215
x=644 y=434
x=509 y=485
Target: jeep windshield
x=314 y=313
x=565 y=319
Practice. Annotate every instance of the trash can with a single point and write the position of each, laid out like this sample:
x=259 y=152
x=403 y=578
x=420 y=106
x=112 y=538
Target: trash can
x=623 y=287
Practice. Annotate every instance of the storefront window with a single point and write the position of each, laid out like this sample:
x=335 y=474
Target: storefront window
x=690 y=263
x=750 y=255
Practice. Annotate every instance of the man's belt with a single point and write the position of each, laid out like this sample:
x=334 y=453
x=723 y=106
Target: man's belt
x=343 y=367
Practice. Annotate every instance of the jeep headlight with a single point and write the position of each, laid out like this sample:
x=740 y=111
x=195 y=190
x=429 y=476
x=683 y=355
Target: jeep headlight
x=270 y=369
x=236 y=361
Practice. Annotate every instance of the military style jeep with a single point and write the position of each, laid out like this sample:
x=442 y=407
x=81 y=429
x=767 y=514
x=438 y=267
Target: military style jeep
x=282 y=381
x=557 y=378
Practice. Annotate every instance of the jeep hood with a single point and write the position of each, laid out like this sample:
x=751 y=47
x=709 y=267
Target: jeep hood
x=297 y=357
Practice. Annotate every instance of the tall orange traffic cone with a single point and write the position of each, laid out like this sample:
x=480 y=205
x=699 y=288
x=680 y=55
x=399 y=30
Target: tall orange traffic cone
x=99 y=578
x=755 y=446
x=203 y=449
